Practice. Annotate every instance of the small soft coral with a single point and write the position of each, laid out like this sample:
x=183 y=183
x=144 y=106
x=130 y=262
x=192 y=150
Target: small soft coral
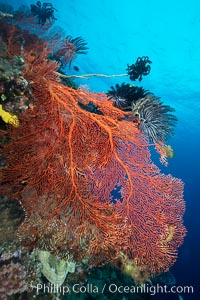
x=8 y=117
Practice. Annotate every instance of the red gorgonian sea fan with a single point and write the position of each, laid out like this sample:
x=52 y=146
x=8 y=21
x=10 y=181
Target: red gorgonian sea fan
x=64 y=163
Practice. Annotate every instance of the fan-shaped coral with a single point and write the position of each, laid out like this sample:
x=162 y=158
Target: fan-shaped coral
x=64 y=163
x=72 y=150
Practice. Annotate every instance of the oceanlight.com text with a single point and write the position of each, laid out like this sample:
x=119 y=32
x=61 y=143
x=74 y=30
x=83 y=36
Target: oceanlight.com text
x=111 y=288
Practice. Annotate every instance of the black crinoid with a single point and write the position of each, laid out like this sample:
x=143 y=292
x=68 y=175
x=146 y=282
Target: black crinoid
x=156 y=120
x=140 y=68
x=43 y=12
x=125 y=94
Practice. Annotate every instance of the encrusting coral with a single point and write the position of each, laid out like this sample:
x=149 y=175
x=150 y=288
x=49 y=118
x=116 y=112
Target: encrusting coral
x=12 y=278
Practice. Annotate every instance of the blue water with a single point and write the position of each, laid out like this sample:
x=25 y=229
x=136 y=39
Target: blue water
x=168 y=32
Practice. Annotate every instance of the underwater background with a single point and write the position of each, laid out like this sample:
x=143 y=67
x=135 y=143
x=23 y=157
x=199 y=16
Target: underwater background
x=117 y=32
